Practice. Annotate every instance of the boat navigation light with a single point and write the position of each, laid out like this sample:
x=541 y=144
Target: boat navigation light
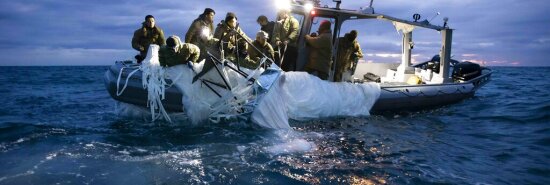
x=282 y=4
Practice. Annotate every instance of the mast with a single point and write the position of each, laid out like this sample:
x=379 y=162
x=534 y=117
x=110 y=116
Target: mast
x=445 y=59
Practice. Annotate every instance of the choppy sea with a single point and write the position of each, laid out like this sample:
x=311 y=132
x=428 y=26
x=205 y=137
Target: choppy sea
x=58 y=125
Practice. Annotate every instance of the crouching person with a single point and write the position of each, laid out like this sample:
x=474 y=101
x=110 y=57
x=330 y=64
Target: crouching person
x=243 y=58
x=175 y=52
x=262 y=46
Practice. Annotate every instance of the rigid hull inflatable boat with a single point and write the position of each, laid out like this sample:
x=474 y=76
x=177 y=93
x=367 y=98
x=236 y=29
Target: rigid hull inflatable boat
x=393 y=96
x=403 y=86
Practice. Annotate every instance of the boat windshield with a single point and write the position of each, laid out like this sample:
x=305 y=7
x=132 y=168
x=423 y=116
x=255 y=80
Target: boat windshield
x=300 y=19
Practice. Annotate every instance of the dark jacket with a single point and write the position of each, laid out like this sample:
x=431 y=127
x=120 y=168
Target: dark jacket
x=244 y=60
x=180 y=55
x=286 y=30
x=195 y=30
x=144 y=37
x=268 y=28
x=266 y=49
x=348 y=52
x=320 y=52
x=225 y=34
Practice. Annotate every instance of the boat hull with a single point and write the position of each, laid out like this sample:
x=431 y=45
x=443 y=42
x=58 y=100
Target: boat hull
x=392 y=97
x=134 y=93
x=421 y=97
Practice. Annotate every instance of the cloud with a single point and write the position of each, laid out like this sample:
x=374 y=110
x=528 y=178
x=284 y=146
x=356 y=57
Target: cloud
x=495 y=62
x=486 y=44
x=469 y=55
x=63 y=56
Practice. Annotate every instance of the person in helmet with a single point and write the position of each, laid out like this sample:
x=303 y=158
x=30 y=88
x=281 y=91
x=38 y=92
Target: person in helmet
x=263 y=46
x=175 y=53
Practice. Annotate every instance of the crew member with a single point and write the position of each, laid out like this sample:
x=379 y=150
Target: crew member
x=285 y=37
x=320 y=51
x=148 y=34
x=349 y=51
x=201 y=31
x=266 y=26
x=174 y=52
x=243 y=58
x=263 y=46
x=228 y=33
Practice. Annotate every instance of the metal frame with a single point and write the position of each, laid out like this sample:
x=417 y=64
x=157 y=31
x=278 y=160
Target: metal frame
x=342 y=15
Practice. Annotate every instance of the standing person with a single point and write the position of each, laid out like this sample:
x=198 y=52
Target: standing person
x=320 y=51
x=227 y=32
x=200 y=33
x=148 y=34
x=349 y=51
x=174 y=52
x=285 y=38
x=266 y=26
x=203 y=24
x=263 y=46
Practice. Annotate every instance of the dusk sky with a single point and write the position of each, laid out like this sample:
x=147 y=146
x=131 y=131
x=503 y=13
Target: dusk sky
x=69 y=32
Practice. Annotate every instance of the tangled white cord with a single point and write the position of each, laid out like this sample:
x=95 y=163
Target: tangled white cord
x=153 y=80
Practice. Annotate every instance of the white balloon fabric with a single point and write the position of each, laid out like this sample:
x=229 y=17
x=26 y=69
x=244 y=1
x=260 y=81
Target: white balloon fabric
x=301 y=96
x=295 y=95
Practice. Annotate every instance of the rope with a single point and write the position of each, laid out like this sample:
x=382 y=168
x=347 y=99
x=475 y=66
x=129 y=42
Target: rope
x=118 y=93
x=153 y=80
x=229 y=105
x=282 y=55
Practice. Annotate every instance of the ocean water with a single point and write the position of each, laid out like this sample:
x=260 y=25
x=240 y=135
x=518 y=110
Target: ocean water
x=58 y=125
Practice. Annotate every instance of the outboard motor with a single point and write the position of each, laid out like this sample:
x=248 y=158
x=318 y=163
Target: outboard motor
x=465 y=71
x=433 y=64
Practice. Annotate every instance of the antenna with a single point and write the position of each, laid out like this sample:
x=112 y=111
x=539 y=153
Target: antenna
x=416 y=17
x=316 y=2
x=435 y=16
x=369 y=9
x=338 y=2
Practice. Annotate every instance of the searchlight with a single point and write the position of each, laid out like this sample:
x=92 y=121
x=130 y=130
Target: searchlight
x=308 y=7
